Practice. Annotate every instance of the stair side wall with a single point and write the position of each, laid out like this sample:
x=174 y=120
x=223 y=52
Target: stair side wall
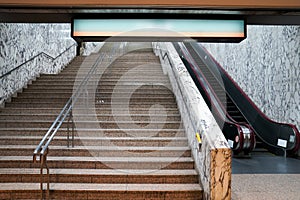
x=21 y=42
x=213 y=158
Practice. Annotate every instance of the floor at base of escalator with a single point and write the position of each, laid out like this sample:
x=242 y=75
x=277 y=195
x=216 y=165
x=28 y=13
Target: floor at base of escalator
x=243 y=154
x=266 y=164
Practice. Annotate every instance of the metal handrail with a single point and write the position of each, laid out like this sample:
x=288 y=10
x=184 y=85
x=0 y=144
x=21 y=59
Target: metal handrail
x=31 y=59
x=42 y=149
x=43 y=145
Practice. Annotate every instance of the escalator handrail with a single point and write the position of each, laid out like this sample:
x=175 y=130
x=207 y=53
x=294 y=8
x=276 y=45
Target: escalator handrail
x=222 y=70
x=218 y=100
x=209 y=96
x=226 y=119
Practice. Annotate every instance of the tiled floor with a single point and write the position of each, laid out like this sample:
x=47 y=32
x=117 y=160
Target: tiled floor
x=265 y=164
x=266 y=177
x=265 y=186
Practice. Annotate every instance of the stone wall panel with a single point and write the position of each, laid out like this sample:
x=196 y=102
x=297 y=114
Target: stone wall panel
x=21 y=42
x=267 y=67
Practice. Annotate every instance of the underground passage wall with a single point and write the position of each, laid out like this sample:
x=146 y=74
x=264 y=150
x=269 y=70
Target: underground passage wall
x=37 y=45
x=20 y=43
x=267 y=67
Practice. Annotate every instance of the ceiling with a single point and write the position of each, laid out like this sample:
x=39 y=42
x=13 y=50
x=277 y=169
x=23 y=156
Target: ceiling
x=65 y=14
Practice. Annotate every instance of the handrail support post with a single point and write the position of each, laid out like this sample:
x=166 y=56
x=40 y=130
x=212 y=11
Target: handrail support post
x=43 y=164
x=72 y=133
x=70 y=120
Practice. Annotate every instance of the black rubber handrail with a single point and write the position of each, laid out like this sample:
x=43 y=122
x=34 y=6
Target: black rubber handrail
x=266 y=129
x=34 y=57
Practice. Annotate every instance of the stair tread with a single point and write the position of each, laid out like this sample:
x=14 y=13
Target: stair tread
x=142 y=172
x=104 y=148
x=97 y=138
x=97 y=109
x=97 y=159
x=103 y=187
x=98 y=115
x=88 y=121
x=88 y=129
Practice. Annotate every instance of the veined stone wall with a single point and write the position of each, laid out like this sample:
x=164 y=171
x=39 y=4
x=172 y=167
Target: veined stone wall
x=21 y=42
x=267 y=67
x=91 y=47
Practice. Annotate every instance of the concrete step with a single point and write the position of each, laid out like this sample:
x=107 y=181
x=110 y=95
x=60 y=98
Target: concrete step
x=138 y=94
x=103 y=151
x=49 y=105
x=99 y=92
x=141 y=81
x=103 y=176
x=101 y=141
x=115 y=92
x=102 y=76
x=128 y=86
x=105 y=77
x=99 y=77
x=104 y=117
x=88 y=124
x=104 y=191
x=126 y=68
x=98 y=105
x=134 y=98
x=146 y=163
x=117 y=110
x=134 y=87
x=100 y=117
x=95 y=132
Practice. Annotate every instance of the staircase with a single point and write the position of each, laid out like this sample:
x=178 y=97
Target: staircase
x=139 y=151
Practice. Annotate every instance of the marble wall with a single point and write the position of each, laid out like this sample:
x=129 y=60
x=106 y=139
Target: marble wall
x=21 y=42
x=213 y=158
x=91 y=47
x=267 y=67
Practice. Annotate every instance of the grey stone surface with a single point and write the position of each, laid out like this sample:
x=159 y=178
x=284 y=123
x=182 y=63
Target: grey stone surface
x=91 y=47
x=267 y=67
x=265 y=186
x=21 y=42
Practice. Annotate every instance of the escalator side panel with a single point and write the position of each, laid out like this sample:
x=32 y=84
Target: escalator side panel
x=270 y=132
x=230 y=130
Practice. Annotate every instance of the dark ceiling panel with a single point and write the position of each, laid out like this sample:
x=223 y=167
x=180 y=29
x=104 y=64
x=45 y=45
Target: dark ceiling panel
x=65 y=15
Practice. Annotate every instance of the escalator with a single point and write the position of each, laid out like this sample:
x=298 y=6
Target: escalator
x=278 y=138
x=239 y=134
x=219 y=90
